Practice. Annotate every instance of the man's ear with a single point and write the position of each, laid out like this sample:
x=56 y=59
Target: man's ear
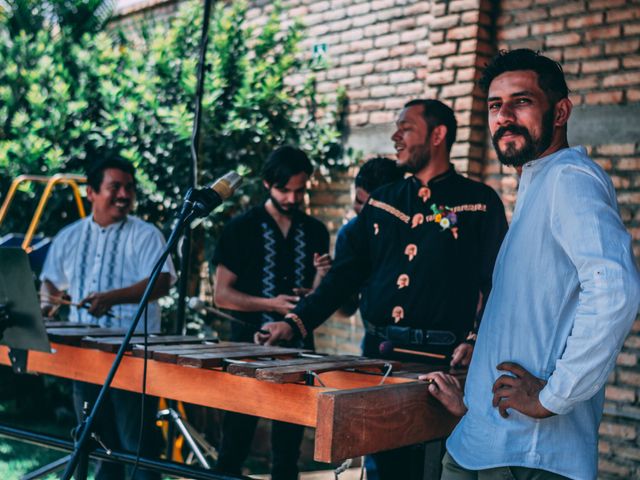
x=266 y=185
x=562 y=112
x=438 y=135
x=90 y=193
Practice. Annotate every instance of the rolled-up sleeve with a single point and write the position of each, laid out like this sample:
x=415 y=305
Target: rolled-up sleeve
x=586 y=224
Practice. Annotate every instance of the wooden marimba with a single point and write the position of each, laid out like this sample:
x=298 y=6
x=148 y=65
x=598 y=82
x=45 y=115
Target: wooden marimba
x=353 y=406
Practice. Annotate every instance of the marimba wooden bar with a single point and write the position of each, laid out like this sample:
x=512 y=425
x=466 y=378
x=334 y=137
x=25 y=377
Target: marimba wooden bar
x=340 y=396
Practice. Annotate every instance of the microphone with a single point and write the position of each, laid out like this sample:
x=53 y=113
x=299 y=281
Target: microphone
x=204 y=199
x=387 y=348
x=198 y=305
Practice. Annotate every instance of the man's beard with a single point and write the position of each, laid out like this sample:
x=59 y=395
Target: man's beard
x=419 y=158
x=531 y=149
x=282 y=210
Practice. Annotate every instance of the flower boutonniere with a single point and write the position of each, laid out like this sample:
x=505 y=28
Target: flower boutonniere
x=446 y=218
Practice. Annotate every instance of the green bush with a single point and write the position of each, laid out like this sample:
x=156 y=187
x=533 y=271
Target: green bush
x=67 y=96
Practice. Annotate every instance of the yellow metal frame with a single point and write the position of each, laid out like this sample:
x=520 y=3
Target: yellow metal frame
x=61 y=178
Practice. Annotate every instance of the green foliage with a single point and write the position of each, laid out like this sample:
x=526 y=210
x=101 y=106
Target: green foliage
x=67 y=95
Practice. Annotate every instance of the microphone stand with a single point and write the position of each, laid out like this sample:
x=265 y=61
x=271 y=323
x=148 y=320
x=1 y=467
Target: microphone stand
x=83 y=431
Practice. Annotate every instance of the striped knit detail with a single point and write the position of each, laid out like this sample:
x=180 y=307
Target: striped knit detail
x=300 y=254
x=268 y=268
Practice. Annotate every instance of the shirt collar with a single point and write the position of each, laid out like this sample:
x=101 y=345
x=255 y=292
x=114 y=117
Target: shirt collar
x=438 y=178
x=540 y=163
x=111 y=226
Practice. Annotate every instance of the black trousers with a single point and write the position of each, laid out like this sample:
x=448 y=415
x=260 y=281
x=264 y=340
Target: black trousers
x=118 y=426
x=237 y=434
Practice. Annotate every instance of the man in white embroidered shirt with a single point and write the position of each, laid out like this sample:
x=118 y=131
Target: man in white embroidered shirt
x=565 y=294
x=103 y=261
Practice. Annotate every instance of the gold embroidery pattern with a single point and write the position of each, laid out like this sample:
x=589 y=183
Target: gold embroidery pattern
x=389 y=209
x=475 y=207
x=403 y=281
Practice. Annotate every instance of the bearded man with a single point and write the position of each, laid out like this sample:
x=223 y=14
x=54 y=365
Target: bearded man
x=421 y=254
x=265 y=259
x=565 y=294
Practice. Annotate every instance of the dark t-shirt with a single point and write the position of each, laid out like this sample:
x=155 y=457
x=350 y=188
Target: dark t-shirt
x=266 y=263
x=419 y=256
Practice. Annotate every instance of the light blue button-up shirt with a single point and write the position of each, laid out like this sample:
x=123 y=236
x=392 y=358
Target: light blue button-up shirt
x=565 y=293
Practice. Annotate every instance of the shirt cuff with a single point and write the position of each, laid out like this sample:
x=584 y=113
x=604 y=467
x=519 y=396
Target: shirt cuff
x=554 y=404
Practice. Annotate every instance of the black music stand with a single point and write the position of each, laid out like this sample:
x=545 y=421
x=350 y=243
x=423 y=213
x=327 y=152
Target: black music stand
x=21 y=323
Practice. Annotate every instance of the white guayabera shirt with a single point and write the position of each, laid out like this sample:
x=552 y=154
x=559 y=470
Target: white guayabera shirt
x=85 y=257
x=565 y=294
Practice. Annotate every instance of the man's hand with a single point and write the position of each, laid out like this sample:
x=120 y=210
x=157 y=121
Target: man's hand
x=278 y=332
x=283 y=304
x=461 y=356
x=447 y=389
x=322 y=263
x=519 y=391
x=99 y=303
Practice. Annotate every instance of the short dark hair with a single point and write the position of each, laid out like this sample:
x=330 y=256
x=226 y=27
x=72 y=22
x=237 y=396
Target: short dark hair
x=377 y=172
x=550 y=75
x=283 y=163
x=437 y=113
x=95 y=171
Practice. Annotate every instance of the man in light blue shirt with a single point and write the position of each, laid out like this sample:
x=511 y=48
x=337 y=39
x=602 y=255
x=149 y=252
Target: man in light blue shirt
x=565 y=294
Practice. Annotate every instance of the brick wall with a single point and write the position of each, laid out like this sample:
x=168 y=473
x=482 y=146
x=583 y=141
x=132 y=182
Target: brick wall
x=385 y=52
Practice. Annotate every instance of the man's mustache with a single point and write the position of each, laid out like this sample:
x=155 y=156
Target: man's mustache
x=516 y=129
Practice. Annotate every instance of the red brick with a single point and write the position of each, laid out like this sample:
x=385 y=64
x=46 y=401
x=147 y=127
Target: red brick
x=567 y=9
x=403 y=24
x=335 y=14
x=394 y=103
x=436 y=37
x=358 y=119
x=508 y=5
x=629 y=163
x=361 y=45
x=586 y=20
x=387 y=66
x=340 y=25
x=434 y=64
x=629 y=378
x=321 y=6
x=457 y=90
x=563 y=39
x=582 y=52
x=582 y=83
x=468 y=46
x=620 y=471
x=445 y=22
x=403 y=50
x=617 y=394
x=627 y=359
x=382 y=4
x=358 y=9
x=631 y=29
x=387 y=14
x=631 y=61
x=462 y=33
x=532 y=15
x=622 y=46
x=336 y=73
x=362 y=69
x=614 y=16
x=466 y=60
x=611 y=31
x=617 y=430
x=382 y=117
x=605 y=4
x=442 y=50
x=417 y=8
x=513 y=32
x=376 y=30
x=413 y=88
x=616 y=149
x=463 y=5
x=376 y=79
x=571 y=68
x=351 y=35
x=363 y=20
x=547 y=27
x=441 y=78
x=593 y=66
x=414 y=35
x=414 y=61
x=604 y=447
x=401 y=77
x=466 y=74
x=621 y=79
x=377 y=54
x=351 y=82
x=351 y=59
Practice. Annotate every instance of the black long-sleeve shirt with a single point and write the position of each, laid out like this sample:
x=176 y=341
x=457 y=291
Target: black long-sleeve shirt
x=419 y=255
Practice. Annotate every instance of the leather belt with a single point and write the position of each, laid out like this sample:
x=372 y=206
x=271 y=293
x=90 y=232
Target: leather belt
x=412 y=336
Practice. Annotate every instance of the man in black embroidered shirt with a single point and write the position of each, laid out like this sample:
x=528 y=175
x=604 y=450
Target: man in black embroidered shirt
x=424 y=249
x=266 y=258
